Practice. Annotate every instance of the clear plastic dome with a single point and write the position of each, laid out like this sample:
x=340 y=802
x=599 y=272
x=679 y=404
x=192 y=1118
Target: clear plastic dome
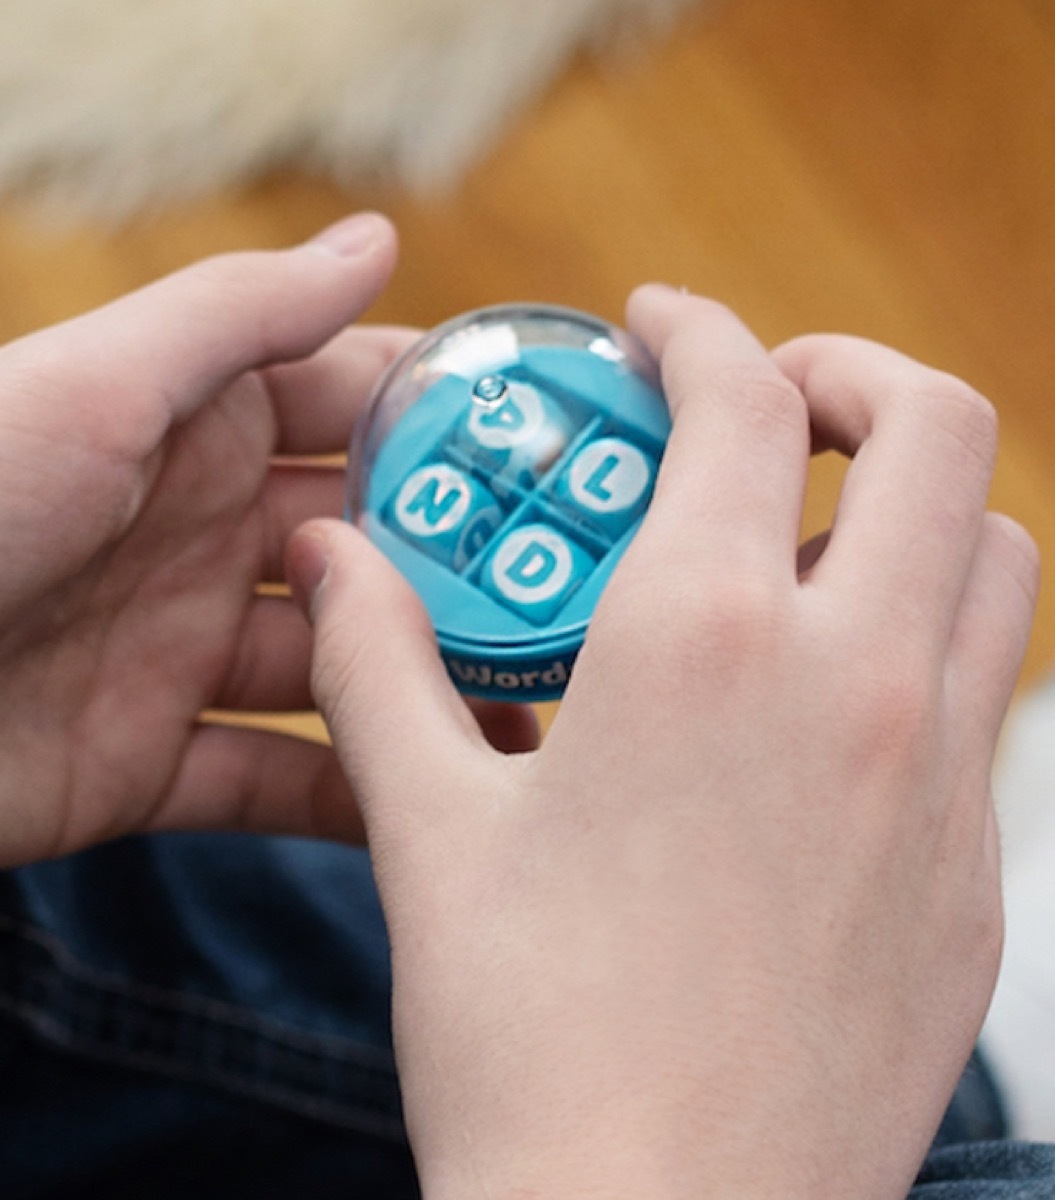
x=475 y=349
x=503 y=464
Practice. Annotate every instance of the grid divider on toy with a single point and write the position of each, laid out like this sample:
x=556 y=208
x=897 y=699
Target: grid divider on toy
x=539 y=503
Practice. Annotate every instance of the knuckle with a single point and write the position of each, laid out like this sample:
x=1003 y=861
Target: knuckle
x=717 y=631
x=894 y=711
x=766 y=400
x=963 y=413
x=763 y=399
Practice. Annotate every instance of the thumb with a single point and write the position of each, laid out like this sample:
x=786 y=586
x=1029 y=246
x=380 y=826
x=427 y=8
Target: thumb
x=160 y=353
x=398 y=725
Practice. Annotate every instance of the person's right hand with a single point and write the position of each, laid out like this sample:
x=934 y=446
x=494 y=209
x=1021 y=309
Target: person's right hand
x=733 y=929
x=152 y=466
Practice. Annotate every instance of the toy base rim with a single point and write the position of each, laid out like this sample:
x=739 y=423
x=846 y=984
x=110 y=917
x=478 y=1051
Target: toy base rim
x=525 y=679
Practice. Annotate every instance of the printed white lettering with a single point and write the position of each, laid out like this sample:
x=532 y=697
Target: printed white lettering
x=481 y=675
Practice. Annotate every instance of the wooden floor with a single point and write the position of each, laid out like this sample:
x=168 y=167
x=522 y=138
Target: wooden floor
x=886 y=169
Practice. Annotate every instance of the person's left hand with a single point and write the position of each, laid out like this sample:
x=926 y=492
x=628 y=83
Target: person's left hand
x=141 y=507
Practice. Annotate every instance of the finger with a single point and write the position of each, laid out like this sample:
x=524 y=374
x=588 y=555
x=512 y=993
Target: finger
x=317 y=401
x=913 y=500
x=260 y=781
x=811 y=552
x=509 y=728
x=399 y=726
x=291 y=496
x=271 y=671
x=991 y=632
x=733 y=474
x=176 y=342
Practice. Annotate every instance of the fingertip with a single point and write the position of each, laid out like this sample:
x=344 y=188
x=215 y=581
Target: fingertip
x=185 y=336
x=795 y=357
x=653 y=291
x=356 y=236
x=363 y=247
x=645 y=300
x=658 y=313
x=320 y=548
x=377 y=673
x=330 y=563
x=307 y=563
x=358 y=254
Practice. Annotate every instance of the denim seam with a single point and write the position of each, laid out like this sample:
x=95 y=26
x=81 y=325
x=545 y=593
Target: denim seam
x=91 y=1013
x=334 y=1045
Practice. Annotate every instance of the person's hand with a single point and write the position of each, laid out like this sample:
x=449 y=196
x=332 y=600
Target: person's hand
x=139 y=510
x=732 y=930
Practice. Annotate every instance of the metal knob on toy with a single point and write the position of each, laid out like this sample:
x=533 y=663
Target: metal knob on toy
x=504 y=464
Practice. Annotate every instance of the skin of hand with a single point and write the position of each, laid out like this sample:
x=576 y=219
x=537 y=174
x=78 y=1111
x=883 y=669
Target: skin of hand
x=143 y=504
x=732 y=930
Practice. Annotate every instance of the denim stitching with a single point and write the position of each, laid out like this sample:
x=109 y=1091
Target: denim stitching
x=194 y=1039
x=228 y=1014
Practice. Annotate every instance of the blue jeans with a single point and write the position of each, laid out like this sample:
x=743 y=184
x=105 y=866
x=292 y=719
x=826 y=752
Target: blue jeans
x=201 y=1016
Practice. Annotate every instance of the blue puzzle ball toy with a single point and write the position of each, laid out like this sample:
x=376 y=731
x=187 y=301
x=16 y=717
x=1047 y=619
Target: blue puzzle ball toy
x=503 y=464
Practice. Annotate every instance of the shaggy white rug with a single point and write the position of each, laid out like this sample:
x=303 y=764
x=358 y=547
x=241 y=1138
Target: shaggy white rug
x=111 y=104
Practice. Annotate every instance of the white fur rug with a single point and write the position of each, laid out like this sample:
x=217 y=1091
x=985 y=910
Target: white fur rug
x=113 y=104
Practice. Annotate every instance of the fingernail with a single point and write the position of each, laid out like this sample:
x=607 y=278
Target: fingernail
x=662 y=291
x=353 y=236
x=307 y=565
